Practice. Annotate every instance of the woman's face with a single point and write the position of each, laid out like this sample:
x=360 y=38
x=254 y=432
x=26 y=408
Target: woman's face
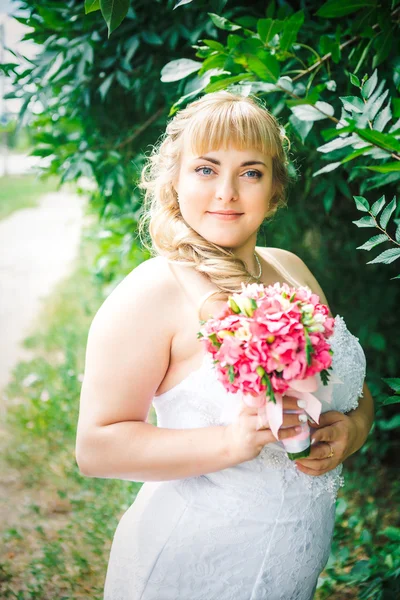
x=232 y=180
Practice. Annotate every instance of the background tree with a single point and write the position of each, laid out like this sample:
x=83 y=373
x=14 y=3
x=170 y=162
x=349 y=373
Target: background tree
x=108 y=81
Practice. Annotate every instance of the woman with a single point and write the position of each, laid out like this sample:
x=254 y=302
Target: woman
x=224 y=514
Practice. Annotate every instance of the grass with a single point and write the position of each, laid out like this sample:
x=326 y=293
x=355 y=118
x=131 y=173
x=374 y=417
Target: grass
x=22 y=191
x=60 y=524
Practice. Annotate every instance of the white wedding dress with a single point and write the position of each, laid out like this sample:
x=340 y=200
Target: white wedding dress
x=261 y=530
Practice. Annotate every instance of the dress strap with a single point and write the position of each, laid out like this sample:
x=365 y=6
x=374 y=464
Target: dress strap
x=280 y=269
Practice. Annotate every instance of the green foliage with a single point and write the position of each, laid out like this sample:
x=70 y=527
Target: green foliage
x=365 y=550
x=391 y=254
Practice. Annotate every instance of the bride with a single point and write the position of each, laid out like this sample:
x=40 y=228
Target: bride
x=223 y=514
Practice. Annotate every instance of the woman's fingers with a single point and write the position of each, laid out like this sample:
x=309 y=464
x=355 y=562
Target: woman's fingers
x=326 y=434
x=290 y=419
x=290 y=402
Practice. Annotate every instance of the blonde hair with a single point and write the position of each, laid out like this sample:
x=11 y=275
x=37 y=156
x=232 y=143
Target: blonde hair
x=211 y=122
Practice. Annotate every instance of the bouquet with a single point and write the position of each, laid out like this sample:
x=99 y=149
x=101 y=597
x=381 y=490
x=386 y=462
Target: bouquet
x=270 y=341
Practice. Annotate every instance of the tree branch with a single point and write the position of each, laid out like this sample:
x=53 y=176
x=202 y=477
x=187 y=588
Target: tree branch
x=142 y=127
x=347 y=43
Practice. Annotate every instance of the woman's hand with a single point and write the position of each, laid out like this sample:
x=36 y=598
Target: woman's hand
x=341 y=432
x=244 y=437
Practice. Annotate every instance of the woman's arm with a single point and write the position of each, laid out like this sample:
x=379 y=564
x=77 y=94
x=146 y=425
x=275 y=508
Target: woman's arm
x=363 y=418
x=127 y=356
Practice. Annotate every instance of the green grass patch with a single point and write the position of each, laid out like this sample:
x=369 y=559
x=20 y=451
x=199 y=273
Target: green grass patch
x=23 y=191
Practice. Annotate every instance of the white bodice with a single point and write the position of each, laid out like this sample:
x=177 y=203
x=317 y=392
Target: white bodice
x=200 y=400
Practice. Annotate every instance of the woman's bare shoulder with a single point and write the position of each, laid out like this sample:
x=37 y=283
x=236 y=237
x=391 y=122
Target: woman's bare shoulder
x=148 y=287
x=289 y=260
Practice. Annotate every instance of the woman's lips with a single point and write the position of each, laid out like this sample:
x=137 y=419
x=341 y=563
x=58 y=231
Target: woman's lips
x=226 y=217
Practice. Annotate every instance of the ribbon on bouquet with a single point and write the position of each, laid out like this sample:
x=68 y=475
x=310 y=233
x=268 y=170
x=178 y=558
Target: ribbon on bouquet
x=303 y=390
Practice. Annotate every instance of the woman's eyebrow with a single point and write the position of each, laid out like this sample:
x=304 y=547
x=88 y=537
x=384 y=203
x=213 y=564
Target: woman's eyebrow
x=247 y=163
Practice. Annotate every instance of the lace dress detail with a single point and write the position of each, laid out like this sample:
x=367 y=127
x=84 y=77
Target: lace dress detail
x=261 y=530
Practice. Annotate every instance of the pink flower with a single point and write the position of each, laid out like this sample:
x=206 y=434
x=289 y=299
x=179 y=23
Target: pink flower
x=273 y=337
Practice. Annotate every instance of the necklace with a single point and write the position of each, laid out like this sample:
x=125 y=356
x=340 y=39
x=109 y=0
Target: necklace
x=259 y=266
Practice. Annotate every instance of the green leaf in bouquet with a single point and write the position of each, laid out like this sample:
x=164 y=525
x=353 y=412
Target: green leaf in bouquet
x=324 y=374
x=387 y=213
x=269 y=390
x=309 y=347
x=214 y=340
x=365 y=222
x=386 y=257
x=361 y=203
x=378 y=205
x=231 y=373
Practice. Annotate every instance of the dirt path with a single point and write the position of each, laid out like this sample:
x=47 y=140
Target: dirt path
x=37 y=249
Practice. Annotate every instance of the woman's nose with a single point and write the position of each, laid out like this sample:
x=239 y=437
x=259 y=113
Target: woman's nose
x=227 y=189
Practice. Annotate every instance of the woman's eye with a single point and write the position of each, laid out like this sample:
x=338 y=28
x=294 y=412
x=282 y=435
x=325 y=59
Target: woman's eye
x=257 y=174
x=204 y=169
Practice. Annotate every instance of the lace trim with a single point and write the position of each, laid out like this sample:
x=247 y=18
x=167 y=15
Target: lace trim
x=349 y=362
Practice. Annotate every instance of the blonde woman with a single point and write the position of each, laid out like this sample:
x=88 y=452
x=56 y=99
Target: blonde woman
x=223 y=513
